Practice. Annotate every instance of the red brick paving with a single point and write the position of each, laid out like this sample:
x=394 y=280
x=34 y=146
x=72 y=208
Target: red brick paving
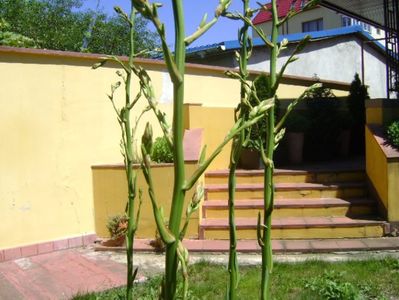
x=57 y=275
x=62 y=274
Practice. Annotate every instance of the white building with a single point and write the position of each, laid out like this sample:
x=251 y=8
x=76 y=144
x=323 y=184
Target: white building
x=334 y=54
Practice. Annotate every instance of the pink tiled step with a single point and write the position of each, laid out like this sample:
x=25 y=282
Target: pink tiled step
x=288 y=186
x=297 y=228
x=292 y=222
x=285 y=203
x=290 y=190
x=308 y=174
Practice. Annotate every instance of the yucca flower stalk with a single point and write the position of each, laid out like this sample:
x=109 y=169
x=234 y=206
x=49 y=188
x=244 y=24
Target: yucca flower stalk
x=172 y=234
x=242 y=110
x=128 y=131
x=275 y=132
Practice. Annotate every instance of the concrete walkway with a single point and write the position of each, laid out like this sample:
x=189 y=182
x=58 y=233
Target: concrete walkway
x=62 y=274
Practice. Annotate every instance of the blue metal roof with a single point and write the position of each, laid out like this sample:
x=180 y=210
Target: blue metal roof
x=292 y=38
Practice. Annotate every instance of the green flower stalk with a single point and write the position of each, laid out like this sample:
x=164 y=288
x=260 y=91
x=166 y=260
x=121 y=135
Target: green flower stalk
x=175 y=251
x=128 y=134
x=274 y=132
x=237 y=143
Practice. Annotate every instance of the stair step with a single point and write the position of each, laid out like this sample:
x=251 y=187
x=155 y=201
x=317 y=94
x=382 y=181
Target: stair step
x=292 y=207
x=279 y=246
x=297 y=228
x=290 y=190
x=283 y=175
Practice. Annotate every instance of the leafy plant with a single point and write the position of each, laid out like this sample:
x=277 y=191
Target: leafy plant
x=161 y=152
x=331 y=286
x=117 y=225
x=393 y=133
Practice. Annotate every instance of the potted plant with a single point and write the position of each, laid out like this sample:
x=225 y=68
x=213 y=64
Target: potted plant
x=117 y=227
x=296 y=126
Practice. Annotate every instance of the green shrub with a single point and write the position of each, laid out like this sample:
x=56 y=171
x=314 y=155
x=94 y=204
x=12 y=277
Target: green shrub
x=330 y=286
x=393 y=133
x=161 y=153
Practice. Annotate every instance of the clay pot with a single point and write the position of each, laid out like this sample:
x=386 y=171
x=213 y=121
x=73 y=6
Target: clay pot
x=249 y=159
x=295 y=142
x=114 y=242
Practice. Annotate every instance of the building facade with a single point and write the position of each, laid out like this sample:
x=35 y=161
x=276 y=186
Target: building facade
x=315 y=19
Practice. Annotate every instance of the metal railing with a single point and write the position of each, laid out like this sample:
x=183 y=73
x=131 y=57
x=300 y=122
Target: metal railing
x=391 y=16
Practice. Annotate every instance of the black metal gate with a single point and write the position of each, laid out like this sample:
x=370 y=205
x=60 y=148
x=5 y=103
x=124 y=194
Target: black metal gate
x=391 y=14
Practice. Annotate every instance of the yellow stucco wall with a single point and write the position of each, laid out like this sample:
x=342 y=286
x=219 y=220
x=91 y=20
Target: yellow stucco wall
x=383 y=173
x=110 y=190
x=376 y=167
x=216 y=122
x=393 y=191
x=56 y=122
x=374 y=115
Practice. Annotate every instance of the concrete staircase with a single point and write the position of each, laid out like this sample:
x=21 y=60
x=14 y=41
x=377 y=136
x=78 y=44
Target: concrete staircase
x=313 y=203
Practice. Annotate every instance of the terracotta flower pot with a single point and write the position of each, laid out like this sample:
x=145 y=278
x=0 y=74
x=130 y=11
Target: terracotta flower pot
x=295 y=147
x=114 y=242
x=249 y=159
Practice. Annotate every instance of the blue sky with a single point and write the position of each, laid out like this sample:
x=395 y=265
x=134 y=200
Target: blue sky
x=194 y=11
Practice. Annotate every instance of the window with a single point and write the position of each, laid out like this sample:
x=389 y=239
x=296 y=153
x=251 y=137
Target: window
x=348 y=21
x=315 y=25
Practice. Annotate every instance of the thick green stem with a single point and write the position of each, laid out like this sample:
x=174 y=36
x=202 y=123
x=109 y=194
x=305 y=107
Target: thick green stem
x=129 y=168
x=233 y=263
x=235 y=154
x=267 y=255
x=169 y=290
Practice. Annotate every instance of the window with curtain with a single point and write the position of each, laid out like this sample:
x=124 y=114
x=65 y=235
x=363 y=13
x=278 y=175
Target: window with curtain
x=314 y=25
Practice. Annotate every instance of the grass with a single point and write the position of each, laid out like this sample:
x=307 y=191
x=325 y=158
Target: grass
x=312 y=280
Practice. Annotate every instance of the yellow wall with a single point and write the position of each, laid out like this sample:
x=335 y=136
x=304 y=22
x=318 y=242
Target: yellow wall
x=383 y=173
x=393 y=191
x=216 y=123
x=56 y=122
x=110 y=190
x=376 y=167
x=374 y=115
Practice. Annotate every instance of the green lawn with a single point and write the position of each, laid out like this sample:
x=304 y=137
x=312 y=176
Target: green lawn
x=372 y=279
